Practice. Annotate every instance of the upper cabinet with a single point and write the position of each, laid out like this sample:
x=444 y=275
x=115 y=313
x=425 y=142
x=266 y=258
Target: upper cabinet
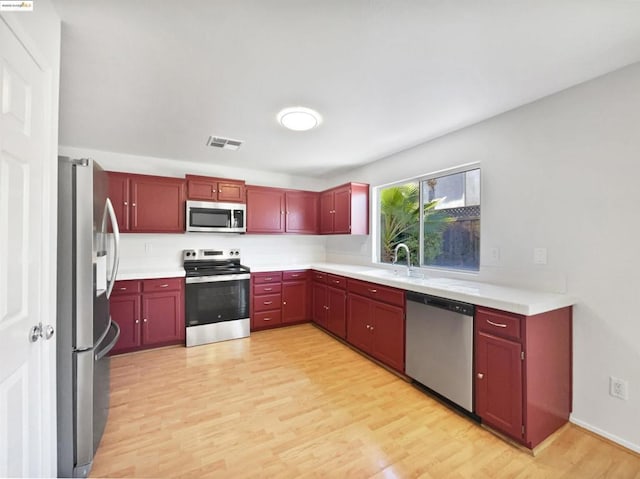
x=215 y=189
x=345 y=210
x=275 y=210
x=147 y=204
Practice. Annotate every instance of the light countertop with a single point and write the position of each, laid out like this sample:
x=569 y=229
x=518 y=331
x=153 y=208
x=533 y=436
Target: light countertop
x=515 y=300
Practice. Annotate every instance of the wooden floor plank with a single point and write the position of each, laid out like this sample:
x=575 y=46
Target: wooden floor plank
x=294 y=402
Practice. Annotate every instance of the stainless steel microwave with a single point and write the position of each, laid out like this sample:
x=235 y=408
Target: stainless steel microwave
x=209 y=217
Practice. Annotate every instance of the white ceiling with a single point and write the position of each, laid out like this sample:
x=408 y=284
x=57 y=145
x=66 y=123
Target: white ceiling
x=156 y=78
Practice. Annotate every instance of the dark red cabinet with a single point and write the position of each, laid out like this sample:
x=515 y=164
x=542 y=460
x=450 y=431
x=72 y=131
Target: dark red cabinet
x=265 y=210
x=149 y=312
x=330 y=302
x=499 y=387
x=125 y=310
x=376 y=321
x=523 y=372
x=206 y=188
x=345 y=209
x=147 y=204
x=301 y=212
x=279 y=298
x=275 y=210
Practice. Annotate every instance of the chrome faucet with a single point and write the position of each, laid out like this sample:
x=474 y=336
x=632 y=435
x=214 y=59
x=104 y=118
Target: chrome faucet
x=395 y=256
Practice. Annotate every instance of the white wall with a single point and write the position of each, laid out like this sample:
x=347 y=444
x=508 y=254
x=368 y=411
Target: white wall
x=140 y=251
x=560 y=173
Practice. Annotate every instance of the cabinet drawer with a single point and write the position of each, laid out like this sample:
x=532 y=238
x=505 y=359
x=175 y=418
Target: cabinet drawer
x=266 y=302
x=267 y=318
x=377 y=292
x=295 y=275
x=337 y=281
x=319 y=276
x=267 y=288
x=498 y=323
x=163 y=284
x=127 y=287
x=269 y=277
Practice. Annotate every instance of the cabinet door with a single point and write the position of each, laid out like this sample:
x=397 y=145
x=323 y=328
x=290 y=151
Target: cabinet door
x=294 y=301
x=388 y=337
x=319 y=294
x=232 y=191
x=342 y=210
x=125 y=310
x=359 y=322
x=119 y=195
x=337 y=312
x=162 y=318
x=498 y=383
x=326 y=212
x=301 y=212
x=265 y=210
x=157 y=204
x=202 y=189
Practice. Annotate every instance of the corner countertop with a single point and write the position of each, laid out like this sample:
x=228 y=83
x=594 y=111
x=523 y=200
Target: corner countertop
x=505 y=298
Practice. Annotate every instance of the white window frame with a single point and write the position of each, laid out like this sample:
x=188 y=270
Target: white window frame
x=375 y=236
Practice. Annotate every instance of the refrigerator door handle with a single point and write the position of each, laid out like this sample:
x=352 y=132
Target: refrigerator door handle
x=108 y=209
x=107 y=349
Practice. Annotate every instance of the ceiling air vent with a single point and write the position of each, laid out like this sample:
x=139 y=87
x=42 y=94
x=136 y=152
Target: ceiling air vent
x=225 y=143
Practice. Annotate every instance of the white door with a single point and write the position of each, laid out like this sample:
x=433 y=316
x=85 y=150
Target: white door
x=26 y=389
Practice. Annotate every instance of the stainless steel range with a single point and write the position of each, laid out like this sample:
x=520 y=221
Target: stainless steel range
x=217 y=296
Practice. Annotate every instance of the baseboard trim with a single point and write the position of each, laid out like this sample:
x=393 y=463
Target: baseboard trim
x=612 y=438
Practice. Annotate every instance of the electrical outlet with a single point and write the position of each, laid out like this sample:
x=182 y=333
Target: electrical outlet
x=618 y=388
x=494 y=255
x=540 y=255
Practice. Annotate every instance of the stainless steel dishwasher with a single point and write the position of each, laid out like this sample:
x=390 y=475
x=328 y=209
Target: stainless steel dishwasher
x=439 y=346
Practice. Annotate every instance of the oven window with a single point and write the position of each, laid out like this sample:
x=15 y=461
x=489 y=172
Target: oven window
x=209 y=218
x=216 y=302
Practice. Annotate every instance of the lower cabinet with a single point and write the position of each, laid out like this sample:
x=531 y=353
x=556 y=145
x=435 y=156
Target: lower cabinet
x=523 y=372
x=279 y=298
x=330 y=302
x=149 y=312
x=377 y=327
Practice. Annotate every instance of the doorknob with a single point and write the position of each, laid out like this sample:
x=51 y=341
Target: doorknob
x=35 y=332
x=38 y=331
x=48 y=331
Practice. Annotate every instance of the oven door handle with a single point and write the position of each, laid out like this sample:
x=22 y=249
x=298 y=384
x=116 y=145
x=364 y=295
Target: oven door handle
x=217 y=279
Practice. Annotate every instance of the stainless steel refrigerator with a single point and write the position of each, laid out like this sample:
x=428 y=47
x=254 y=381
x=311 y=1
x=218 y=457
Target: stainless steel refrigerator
x=88 y=240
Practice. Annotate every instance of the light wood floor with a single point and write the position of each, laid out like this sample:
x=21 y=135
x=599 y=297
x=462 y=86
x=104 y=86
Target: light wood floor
x=295 y=402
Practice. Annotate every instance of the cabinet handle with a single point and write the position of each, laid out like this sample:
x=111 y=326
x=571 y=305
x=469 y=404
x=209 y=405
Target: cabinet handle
x=144 y=320
x=123 y=289
x=268 y=289
x=133 y=204
x=499 y=325
x=336 y=281
x=125 y=203
x=268 y=279
x=212 y=190
x=326 y=307
x=295 y=275
x=266 y=303
x=480 y=375
x=137 y=321
x=266 y=319
x=373 y=290
x=284 y=303
x=164 y=285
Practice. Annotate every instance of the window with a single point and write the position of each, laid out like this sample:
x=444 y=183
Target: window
x=436 y=216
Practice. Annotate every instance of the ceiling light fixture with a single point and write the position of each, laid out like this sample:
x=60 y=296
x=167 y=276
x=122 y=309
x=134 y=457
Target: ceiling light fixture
x=299 y=118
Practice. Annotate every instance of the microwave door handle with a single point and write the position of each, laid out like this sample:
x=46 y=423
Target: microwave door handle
x=108 y=208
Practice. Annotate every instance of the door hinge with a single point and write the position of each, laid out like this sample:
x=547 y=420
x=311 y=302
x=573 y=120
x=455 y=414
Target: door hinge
x=522 y=355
